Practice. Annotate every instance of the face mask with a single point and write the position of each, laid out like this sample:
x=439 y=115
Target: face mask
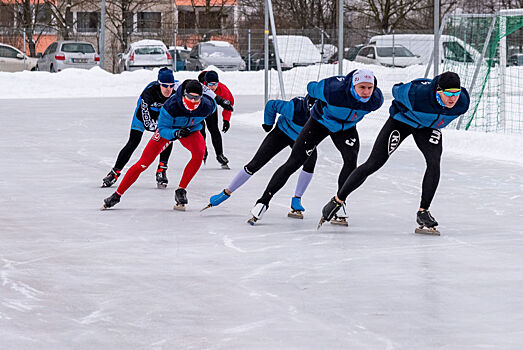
x=356 y=96
x=190 y=105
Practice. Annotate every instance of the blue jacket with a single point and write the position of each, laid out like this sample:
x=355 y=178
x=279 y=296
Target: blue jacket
x=174 y=115
x=336 y=108
x=415 y=104
x=293 y=114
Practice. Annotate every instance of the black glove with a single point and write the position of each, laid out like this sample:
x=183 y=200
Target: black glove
x=226 y=126
x=266 y=127
x=182 y=133
x=225 y=104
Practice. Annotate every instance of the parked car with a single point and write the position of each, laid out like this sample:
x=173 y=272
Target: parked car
x=388 y=56
x=220 y=54
x=60 y=55
x=297 y=50
x=180 y=61
x=348 y=54
x=14 y=60
x=327 y=51
x=450 y=47
x=515 y=60
x=144 y=54
x=258 y=61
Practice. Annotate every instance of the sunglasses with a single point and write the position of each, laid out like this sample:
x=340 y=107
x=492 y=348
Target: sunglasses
x=450 y=92
x=166 y=85
x=212 y=84
x=193 y=97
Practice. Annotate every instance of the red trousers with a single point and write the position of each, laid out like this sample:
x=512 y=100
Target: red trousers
x=194 y=143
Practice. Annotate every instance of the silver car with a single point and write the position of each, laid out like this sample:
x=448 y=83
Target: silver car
x=68 y=54
x=14 y=60
x=145 y=54
x=220 y=54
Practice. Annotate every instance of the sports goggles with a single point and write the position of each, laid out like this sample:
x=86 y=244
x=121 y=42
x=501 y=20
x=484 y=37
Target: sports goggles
x=193 y=97
x=166 y=85
x=451 y=92
x=212 y=84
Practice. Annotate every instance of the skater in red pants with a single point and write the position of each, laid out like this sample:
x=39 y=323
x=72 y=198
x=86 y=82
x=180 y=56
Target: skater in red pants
x=180 y=119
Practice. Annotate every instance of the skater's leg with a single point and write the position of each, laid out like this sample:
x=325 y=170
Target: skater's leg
x=272 y=144
x=306 y=173
x=216 y=137
x=311 y=135
x=430 y=143
x=155 y=145
x=166 y=153
x=196 y=145
x=348 y=143
x=388 y=140
x=135 y=136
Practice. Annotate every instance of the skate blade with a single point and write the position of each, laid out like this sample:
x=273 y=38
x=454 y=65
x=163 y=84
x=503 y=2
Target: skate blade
x=104 y=185
x=104 y=207
x=427 y=231
x=342 y=222
x=179 y=207
x=322 y=220
x=226 y=167
x=295 y=214
x=161 y=186
x=206 y=207
x=251 y=221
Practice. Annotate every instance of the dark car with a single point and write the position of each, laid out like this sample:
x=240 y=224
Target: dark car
x=258 y=60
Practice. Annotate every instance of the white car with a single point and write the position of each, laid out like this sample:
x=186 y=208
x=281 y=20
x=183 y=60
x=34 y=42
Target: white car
x=14 y=60
x=60 y=55
x=388 y=56
x=145 y=54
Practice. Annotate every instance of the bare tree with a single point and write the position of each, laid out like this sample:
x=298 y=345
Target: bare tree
x=33 y=19
x=63 y=15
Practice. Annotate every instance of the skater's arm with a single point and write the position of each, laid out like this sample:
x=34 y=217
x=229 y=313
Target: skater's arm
x=316 y=90
x=227 y=95
x=273 y=107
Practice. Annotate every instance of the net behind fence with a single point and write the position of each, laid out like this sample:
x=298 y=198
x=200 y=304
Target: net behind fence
x=489 y=59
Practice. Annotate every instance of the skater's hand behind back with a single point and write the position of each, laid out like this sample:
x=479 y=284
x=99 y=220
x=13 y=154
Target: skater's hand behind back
x=266 y=127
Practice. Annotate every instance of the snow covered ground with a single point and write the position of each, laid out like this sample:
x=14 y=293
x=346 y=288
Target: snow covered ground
x=142 y=276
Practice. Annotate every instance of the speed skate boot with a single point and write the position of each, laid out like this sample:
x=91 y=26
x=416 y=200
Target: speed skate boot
x=111 y=201
x=296 y=208
x=257 y=213
x=340 y=218
x=180 y=196
x=427 y=223
x=111 y=178
x=217 y=199
x=223 y=161
x=161 y=175
x=329 y=210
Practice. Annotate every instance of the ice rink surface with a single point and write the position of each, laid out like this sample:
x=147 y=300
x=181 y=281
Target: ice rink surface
x=142 y=276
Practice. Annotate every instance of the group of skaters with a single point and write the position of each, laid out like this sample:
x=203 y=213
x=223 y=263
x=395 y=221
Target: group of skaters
x=332 y=107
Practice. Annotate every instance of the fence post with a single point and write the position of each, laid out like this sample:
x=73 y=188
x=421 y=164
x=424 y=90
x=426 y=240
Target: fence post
x=249 y=50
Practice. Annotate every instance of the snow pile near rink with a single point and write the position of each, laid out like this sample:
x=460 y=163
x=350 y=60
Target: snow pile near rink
x=96 y=82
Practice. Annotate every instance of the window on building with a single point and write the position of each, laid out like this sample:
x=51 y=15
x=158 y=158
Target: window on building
x=186 y=19
x=88 y=22
x=149 y=21
x=209 y=20
x=7 y=16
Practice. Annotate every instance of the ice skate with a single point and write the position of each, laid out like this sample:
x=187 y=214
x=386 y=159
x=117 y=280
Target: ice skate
x=340 y=218
x=111 y=178
x=223 y=161
x=111 y=201
x=257 y=213
x=216 y=200
x=161 y=176
x=427 y=223
x=180 y=196
x=329 y=210
x=296 y=208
